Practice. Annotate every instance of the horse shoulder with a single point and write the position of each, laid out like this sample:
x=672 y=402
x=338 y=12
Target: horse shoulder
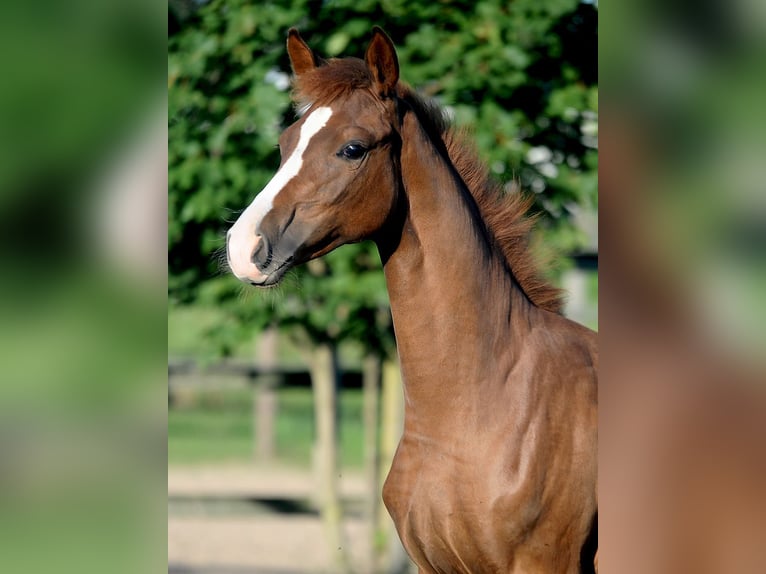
x=563 y=349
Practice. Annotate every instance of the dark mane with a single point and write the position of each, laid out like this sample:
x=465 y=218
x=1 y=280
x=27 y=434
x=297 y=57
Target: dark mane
x=506 y=216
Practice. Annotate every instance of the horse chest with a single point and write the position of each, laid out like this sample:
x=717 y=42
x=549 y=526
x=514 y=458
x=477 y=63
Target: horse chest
x=450 y=513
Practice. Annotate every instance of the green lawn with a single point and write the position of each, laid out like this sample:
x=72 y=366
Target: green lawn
x=217 y=426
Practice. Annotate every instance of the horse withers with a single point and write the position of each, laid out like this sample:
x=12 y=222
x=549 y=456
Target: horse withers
x=496 y=467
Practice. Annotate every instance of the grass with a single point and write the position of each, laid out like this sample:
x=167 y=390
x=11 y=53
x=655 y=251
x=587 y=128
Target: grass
x=217 y=426
x=199 y=436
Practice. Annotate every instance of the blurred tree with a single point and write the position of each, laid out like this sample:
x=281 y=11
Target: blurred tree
x=522 y=74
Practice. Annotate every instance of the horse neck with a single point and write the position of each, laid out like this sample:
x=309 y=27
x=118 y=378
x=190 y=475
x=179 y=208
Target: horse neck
x=456 y=308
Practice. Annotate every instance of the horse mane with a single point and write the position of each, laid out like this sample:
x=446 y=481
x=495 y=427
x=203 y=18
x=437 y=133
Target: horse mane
x=506 y=216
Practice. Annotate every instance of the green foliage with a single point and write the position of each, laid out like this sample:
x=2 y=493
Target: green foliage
x=522 y=75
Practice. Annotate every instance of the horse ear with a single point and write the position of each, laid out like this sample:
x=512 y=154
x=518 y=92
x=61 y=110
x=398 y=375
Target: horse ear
x=382 y=62
x=302 y=58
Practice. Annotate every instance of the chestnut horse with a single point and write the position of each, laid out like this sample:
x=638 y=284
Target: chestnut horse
x=496 y=468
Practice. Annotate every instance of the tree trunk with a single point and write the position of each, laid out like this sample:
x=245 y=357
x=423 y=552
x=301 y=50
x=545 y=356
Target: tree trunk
x=324 y=378
x=371 y=374
x=265 y=404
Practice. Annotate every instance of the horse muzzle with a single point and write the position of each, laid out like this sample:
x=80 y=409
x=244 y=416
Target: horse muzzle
x=254 y=259
x=244 y=252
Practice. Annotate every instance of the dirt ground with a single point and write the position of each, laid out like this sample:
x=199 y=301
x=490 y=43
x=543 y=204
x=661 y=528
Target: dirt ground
x=252 y=520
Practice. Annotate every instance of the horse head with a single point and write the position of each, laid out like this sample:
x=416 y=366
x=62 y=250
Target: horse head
x=338 y=181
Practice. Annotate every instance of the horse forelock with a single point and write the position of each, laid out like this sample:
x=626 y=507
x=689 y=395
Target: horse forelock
x=337 y=78
x=506 y=215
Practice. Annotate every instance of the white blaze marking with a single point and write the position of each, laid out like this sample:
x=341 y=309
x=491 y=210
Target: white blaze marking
x=264 y=201
x=242 y=235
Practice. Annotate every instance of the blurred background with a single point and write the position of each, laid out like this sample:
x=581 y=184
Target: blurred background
x=682 y=207
x=285 y=406
x=82 y=286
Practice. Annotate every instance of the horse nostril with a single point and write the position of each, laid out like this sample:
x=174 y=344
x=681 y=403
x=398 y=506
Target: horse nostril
x=262 y=255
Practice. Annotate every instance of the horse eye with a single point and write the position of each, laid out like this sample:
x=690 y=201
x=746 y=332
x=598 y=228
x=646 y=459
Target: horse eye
x=353 y=151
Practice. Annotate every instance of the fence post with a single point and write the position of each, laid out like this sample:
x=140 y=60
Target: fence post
x=395 y=560
x=371 y=374
x=324 y=380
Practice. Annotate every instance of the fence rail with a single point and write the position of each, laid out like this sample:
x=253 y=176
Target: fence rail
x=188 y=373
